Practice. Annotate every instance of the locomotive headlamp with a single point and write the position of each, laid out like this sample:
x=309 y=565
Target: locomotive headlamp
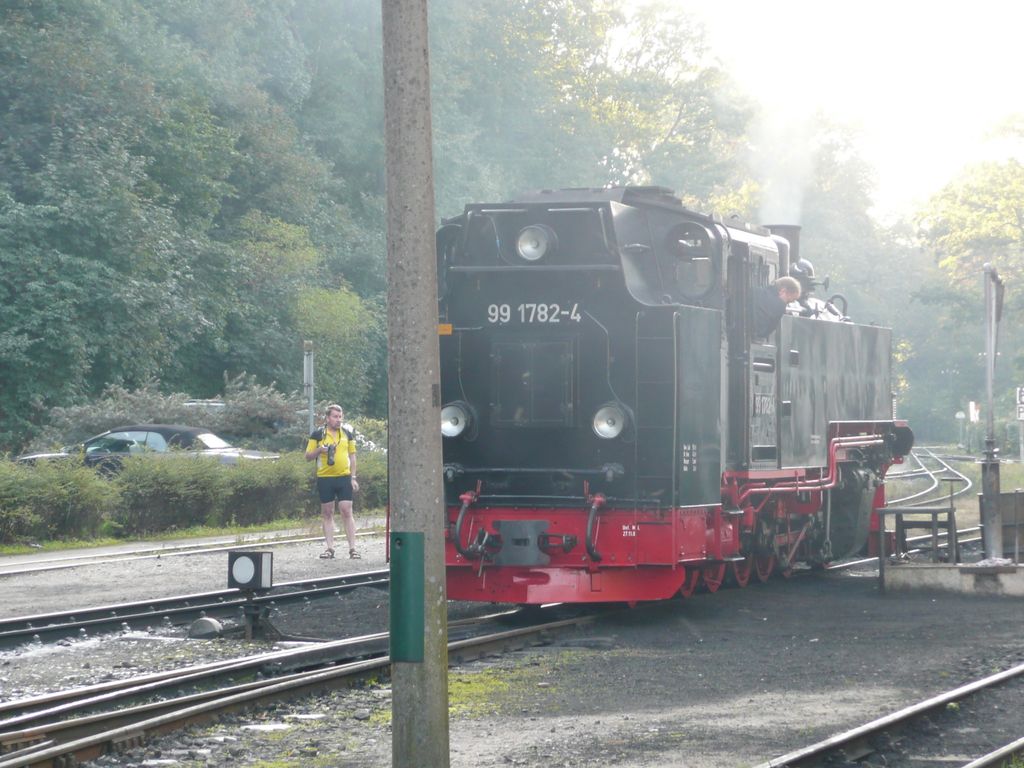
x=455 y=417
x=535 y=242
x=609 y=421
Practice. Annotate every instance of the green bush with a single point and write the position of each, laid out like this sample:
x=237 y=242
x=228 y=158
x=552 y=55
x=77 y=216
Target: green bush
x=52 y=500
x=63 y=500
x=372 y=469
x=372 y=430
x=261 y=491
x=170 y=492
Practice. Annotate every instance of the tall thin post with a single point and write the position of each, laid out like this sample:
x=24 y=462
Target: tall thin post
x=307 y=380
x=991 y=519
x=419 y=621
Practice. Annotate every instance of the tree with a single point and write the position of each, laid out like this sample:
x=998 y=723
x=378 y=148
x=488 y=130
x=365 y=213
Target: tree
x=346 y=335
x=183 y=183
x=979 y=218
x=976 y=219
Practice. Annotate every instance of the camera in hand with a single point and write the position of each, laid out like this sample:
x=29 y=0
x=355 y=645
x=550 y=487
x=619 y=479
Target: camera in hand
x=330 y=454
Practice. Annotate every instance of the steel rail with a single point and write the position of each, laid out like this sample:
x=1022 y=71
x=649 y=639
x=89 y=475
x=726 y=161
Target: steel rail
x=936 y=480
x=910 y=540
x=921 y=470
x=153 y=553
x=221 y=603
x=998 y=756
x=126 y=735
x=59 y=562
x=931 y=476
x=23 y=712
x=815 y=754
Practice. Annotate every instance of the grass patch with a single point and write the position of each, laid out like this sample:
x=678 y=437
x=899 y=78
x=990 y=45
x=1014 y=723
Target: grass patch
x=502 y=688
x=473 y=694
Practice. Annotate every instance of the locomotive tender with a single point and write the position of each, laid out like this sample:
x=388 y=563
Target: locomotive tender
x=614 y=430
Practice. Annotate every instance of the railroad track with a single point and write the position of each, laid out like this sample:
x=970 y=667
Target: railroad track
x=934 y=477
x=79 y=725
x=37 y=564
x=926 y=538
x=916 y=734
x=227 y=603
x=175 y=610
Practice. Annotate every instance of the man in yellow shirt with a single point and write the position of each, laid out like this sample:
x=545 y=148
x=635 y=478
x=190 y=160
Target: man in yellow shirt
x=333 y=449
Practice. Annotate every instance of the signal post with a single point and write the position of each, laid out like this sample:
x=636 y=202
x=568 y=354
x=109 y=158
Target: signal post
x=991 y=518
x=419 y=621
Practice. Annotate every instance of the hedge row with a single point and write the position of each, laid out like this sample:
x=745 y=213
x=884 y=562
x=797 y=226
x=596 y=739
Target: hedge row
x=64 y=500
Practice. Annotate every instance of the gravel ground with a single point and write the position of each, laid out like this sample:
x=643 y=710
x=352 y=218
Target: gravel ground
x=728 y=679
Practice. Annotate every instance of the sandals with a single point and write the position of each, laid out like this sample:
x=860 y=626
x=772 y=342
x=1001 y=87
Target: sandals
x=328 y=554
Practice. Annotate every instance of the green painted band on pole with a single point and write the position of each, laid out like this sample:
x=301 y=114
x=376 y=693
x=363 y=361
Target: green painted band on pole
x=407 y=594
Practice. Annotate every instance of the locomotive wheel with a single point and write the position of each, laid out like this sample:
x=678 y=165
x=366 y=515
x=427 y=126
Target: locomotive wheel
x=713 y=576
x=763 y=567
x=740 y=571
x=690 y=581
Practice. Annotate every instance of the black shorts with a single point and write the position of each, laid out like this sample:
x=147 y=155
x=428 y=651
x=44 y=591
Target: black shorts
x=331 y=488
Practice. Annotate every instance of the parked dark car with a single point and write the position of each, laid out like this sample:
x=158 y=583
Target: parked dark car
x=107 y=450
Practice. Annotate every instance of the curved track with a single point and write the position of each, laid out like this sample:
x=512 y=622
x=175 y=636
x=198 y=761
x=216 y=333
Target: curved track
x=880 y=738
x=945 y=472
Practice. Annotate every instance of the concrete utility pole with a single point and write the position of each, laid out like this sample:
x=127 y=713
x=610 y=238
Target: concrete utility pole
x=991 y=519
x=419 y=619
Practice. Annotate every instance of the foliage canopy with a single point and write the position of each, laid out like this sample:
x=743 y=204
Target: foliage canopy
x=188 y=190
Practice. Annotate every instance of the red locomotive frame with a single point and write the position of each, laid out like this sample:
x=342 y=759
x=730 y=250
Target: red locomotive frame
x=656 y=554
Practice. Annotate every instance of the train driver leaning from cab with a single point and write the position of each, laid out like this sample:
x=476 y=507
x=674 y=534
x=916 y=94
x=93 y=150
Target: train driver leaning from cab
x=770 y=305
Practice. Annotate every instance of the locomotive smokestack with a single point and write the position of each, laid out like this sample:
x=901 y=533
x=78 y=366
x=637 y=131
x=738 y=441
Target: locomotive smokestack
x=791 y=232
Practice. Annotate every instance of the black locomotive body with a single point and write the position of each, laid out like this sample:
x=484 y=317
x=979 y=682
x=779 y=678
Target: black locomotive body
x=614 y=430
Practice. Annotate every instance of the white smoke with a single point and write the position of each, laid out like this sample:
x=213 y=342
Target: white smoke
x=782 y=161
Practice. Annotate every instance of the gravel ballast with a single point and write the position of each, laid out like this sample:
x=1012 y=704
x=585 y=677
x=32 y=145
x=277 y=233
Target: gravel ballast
x=727 y=679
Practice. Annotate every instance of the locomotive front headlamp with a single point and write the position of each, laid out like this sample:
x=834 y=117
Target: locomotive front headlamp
x=535 y=242
x=609 y=421
x=455 y=418
x=250 y=570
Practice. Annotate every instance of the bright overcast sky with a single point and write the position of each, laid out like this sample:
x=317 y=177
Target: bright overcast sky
x=925 y=81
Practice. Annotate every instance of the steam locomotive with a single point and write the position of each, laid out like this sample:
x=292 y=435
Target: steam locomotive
x=615 y=429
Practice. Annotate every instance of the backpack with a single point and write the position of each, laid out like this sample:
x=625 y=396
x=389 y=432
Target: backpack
x=320 y=433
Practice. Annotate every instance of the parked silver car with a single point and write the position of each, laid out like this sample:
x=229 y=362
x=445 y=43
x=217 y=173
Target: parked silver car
x=107 y=450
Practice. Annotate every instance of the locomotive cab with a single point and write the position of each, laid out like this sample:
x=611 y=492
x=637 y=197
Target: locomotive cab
x=564 y=321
